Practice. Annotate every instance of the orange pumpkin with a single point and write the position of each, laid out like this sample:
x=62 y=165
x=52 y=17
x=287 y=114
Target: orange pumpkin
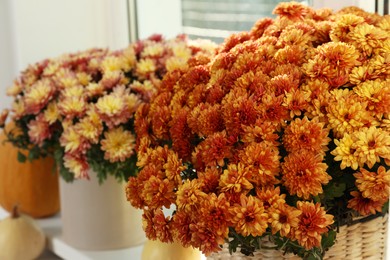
x=33 y=186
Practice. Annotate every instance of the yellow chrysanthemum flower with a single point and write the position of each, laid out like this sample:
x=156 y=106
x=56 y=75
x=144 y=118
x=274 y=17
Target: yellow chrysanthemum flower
x=111 y=63
x=73 y=91
x=15 y=89
x=84 y=78
x=118 y=144
x=154 y=49
x=110 y=105
x=145 y=66
x=181 y=50
x=176 y=63
x=344 y=152
x=370 y=145
x=51 y=113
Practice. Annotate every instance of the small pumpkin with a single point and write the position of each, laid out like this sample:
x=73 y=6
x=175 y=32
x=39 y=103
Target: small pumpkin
x=168 y=251
x=31 y=185
x=20 y=237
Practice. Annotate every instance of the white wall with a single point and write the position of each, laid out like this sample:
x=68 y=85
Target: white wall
x=7 y=52
x=31 y=31
x=157 y=16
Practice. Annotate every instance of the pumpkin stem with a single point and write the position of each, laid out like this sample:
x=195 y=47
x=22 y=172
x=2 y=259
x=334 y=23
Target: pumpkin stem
x=15 y=212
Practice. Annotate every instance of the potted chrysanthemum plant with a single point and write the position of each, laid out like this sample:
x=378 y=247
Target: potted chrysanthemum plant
x=279 y=147
x=79 y=108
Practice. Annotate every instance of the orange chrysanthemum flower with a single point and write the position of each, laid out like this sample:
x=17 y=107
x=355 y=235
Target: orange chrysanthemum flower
x=236 y=179
x=158 y=192
x=156 y=225
x=374 y=185
x=306 y=134
x=189 y=195
x=270 y=196
x=313 y=222
x=304 y=173
x=260 y=132
x=248 y=217
x=364 y=206
x=292 y=10
x=213 y=150
x=283 y=218
x=263 y=161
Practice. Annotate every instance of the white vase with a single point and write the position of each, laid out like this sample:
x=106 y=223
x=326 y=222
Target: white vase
x=98 y=216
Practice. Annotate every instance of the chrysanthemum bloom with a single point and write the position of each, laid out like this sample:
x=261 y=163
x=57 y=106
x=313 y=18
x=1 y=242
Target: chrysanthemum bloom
x=112 y=110
x=73 y=106
x=133 y=193
x=156 y=225
x=292 y=10
x=158 y=192
x=209 y=179
x=180 y=226
x=296 y=101
x=189 y=195
x=205 y=119
x=336 y=59
x=213 y=150
x=15 y=89
x=282 y=218
x=345 y=152
x=368 y=37
x=263 y=161
x=174 y=167
x=313 y=222
x=236 y=178
x=51 y=113
x=306 y=134
x=270 y=196
x=347 y=113
x=204 y=238
x=371 y=144
x=39 y=130
x=304 y=173
x=90 y=129
x=344 y=24
x=38 y=95
x=248 y=217
x=118 y=144
x=374 y=185
x=364 y=206
x=238 y=109
x=260 y=132
x=214 y=212
x=377 y=95
x=73 y=142
x=77 y=164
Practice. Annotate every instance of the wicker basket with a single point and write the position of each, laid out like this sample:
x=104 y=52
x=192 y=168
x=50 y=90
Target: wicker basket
x=364 y=240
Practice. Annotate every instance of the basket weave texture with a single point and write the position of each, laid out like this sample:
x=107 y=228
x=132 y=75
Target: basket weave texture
x=360 y=241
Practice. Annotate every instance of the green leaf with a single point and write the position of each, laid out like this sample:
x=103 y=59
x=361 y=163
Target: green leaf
x=334 y=190
x=21 y=157
x=385 y=207
x=34 y=153
x=328 y=240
